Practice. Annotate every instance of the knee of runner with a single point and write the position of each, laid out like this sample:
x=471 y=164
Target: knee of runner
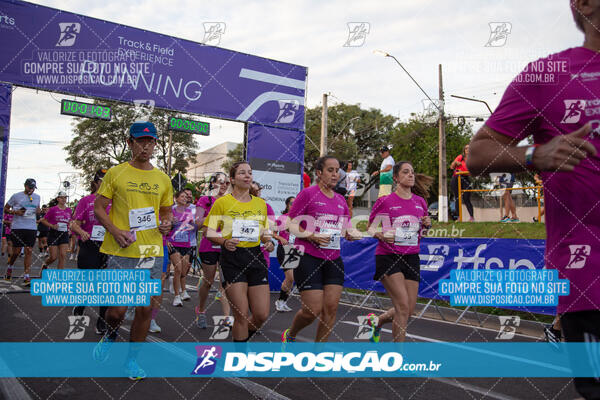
x=329 y=310
x=402 y=310
x=207 y=282
x=312 y=312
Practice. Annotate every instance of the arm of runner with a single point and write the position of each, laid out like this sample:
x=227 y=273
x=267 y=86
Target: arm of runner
x=76 y=227
x=165 y=215
x=48 y=224
x=123 y=238
x=562 y=153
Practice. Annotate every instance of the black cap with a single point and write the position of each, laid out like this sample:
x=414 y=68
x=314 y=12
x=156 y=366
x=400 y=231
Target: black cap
x=384 y=148
x=99 y=174
x=30 y=182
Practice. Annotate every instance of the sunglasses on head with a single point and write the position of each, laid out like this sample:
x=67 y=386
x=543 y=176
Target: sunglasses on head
x=223 y=183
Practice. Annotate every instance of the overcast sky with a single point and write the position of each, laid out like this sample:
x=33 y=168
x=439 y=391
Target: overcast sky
x=421 y=34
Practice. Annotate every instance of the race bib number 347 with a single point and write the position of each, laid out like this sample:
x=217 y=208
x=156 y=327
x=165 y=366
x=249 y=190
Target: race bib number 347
x=245 y=230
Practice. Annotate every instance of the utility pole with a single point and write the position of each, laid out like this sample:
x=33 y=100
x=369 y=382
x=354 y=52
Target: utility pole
x=324 y=127
x=443 y=179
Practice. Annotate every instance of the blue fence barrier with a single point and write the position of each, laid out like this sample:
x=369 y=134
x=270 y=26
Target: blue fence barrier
x=438 y=257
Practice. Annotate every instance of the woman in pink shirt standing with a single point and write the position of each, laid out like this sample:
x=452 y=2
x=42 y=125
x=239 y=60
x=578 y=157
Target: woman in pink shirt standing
x=403 y=217
x=57 y=219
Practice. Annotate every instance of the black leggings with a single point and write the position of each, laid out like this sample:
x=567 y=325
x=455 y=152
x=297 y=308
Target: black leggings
x=464 y=184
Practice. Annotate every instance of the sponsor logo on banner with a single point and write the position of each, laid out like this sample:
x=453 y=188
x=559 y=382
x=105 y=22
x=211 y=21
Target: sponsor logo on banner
x=287 y=111
x=213 y=31
x=499 y=32
x=573 y=111
x=357 y=33
x=207 y=359
x=436 y=257
x=222 y=327
x=508 y=327
x=7 y=22
x=476 y=260
x=579 y=255
x=68 y=33
x=77 y=325
x=364 y=331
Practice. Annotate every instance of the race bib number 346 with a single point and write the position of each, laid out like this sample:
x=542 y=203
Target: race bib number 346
x=141 y=219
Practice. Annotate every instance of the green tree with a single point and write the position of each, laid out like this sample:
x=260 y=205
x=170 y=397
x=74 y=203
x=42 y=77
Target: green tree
x=234 y=155
x=416 y=140
x=354 y=133
x=98 y=143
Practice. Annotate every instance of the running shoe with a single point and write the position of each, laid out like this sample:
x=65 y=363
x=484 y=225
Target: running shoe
x=286 y=338
x=26 y=282
x=505 y=219
x=100 y=352
x=8 y=275
x=286 y=308
x=154 y=328
x=514 y=220
x=376 y=332
x=134 y=371
x=218 y=295
x=279 y=305
x=177 y=301
x=171 y=287
x=130 y=314
x=185 y=296
x=200 y=319
x=100 y=327
x=552 y=335
x=228 y=321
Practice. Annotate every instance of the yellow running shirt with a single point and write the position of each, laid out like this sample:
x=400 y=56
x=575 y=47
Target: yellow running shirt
x=244 y=221
x=136 y=196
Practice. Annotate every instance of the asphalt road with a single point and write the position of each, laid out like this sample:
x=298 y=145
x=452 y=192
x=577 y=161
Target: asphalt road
x=23 y=319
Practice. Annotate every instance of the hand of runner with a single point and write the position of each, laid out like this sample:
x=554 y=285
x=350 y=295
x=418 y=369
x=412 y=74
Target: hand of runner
x=388 y=236
x=123 y=238
x=426 y=221
x=375 y=173
x=353 y=234
x=19 y=212
x=169 y=246
x=564 y=152
x=84 y=236
x=319 y=239
x=55 y=227
x=266 y=236
x=230 y=244
x=269 y=246
x=283 y=241
x=164 y=227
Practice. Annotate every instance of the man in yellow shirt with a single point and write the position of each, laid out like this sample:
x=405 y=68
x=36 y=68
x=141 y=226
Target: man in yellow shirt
x=140 y=215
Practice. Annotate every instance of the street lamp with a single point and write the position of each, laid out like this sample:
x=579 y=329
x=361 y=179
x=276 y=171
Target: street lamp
x=442 y=178
x=470 y=99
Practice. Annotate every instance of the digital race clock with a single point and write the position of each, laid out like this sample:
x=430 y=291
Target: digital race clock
x=189 y=126
x=79 y=109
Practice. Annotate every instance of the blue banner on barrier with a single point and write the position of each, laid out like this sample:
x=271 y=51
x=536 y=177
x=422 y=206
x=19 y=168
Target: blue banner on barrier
x=342 y=359
x=441 y=255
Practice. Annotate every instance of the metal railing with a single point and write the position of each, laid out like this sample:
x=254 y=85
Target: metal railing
x=538 y=194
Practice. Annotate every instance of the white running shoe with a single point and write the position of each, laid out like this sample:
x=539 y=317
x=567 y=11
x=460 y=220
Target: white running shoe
x=154 y=328
x=185 y=296
x=130 y=314
x=279 y=305
x=177 y=301
x=286 y=308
